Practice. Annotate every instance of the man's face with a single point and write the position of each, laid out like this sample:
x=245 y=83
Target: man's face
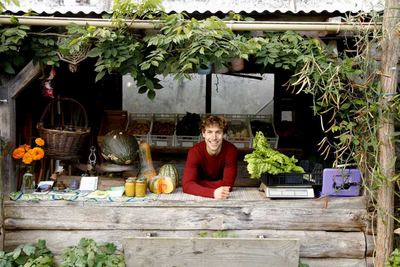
x=213 y=136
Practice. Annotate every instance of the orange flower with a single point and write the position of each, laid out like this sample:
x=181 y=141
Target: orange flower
x=39 y=141
x=37 y=153
x=27 y=159
x=18 y=153
x=28 y=154
x=25 y=147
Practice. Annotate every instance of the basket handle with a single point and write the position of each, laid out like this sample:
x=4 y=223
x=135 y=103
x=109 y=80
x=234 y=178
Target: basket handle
x=58 y=101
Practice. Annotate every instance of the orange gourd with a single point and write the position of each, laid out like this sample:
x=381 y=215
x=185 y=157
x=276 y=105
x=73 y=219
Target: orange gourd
x=146 y=163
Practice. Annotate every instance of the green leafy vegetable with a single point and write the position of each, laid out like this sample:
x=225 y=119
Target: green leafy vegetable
x=264 y=159
x=89 y=253
x=28 y=256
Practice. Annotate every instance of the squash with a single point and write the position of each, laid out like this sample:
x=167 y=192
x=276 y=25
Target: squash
x=162 y=184
x=146 y=163
x=169 y=170
x=119 y=147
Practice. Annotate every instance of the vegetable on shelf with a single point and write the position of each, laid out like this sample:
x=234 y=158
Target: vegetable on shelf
x=119 y=147
x=264 y=159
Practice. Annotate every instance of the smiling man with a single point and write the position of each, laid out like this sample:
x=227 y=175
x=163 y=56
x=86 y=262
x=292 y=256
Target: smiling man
x=211 y=165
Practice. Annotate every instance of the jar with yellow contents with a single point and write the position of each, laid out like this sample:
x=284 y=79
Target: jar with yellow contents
x=141 y=187
x=130 y=186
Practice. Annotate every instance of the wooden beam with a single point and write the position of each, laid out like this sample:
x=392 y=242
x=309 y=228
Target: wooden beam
x=23 y=79
x=245 y=197
x=188 y=215
x=324 y=262
x=387 y=154
x=313 y=244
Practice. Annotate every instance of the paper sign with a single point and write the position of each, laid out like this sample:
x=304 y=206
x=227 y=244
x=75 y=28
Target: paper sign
x=88 y=183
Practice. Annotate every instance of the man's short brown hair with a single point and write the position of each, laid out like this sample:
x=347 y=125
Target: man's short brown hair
x=211 y=120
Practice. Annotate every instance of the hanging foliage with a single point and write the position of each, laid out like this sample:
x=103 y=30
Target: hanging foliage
x=344 y=85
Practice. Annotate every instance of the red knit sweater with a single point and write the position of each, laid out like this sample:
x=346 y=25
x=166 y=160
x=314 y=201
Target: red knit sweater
x=204 y=173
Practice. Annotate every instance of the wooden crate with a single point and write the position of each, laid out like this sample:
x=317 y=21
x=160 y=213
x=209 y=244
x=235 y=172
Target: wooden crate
x=140 y=120
x=112 y=120
x=163 y=140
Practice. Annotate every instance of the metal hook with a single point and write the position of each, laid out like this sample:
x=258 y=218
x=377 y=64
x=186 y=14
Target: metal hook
x=92 y=156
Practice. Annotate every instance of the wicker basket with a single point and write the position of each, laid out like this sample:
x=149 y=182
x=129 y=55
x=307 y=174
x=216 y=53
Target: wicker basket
x=65 y=130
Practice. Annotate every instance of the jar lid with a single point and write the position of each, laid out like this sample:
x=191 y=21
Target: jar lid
x=141 y=180
x=131 y=179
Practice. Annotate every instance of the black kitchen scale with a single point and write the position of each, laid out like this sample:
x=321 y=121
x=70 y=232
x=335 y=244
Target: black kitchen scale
x=293 y=185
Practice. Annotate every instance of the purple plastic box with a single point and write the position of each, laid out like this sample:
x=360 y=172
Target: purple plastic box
x=341 y=182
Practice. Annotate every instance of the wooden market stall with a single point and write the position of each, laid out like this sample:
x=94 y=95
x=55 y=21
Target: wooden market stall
x=329 y=231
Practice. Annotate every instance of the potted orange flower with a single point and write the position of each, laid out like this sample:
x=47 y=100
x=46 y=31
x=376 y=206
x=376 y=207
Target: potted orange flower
x=28 y=157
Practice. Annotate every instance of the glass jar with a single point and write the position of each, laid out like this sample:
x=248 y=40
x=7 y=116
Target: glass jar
x=28 y=182
x=130 y=186
x=141 y=187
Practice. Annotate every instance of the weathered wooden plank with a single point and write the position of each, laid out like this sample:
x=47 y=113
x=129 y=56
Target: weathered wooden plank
x=179 y=199
x=334 y=262
x=167 y=251
x=319 y=244
x=78 y=217
x=23 y=79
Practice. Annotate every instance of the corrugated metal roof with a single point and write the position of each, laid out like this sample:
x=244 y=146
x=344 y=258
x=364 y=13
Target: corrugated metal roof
x=203 y=6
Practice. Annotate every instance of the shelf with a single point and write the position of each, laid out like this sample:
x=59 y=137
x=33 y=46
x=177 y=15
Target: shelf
x=184 y=150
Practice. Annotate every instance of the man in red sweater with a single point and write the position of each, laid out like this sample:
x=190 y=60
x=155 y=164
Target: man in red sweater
x=211 y=165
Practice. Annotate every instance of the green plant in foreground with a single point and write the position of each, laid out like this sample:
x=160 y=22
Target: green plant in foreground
x=394 y=259
x=89 y=253
x=302 y=264
x=28 y=256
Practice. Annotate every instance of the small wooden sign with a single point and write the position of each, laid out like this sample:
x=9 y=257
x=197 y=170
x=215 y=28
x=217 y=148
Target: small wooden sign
x=194 y=252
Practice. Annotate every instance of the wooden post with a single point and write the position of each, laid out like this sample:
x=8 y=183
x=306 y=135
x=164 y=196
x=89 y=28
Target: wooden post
x=8 y=93
x=208 y=92
x=390 y=46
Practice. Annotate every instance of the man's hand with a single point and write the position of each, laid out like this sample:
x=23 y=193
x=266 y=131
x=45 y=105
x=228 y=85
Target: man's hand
x=221 y=192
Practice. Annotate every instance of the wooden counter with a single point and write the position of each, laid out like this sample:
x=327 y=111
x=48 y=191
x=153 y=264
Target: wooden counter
x=330 y=230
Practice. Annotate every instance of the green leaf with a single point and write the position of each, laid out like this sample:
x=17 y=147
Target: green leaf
x=149 y=84
x=28 y=249
x=8 y=68
x=95 y=52
x=151 y=94
x=100 y=76
x=157 y=86
x=142 y=90
x=14 y=20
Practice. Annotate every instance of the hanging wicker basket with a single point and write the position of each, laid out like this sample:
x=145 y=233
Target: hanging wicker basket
x=64 y=127
x=76 y=57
